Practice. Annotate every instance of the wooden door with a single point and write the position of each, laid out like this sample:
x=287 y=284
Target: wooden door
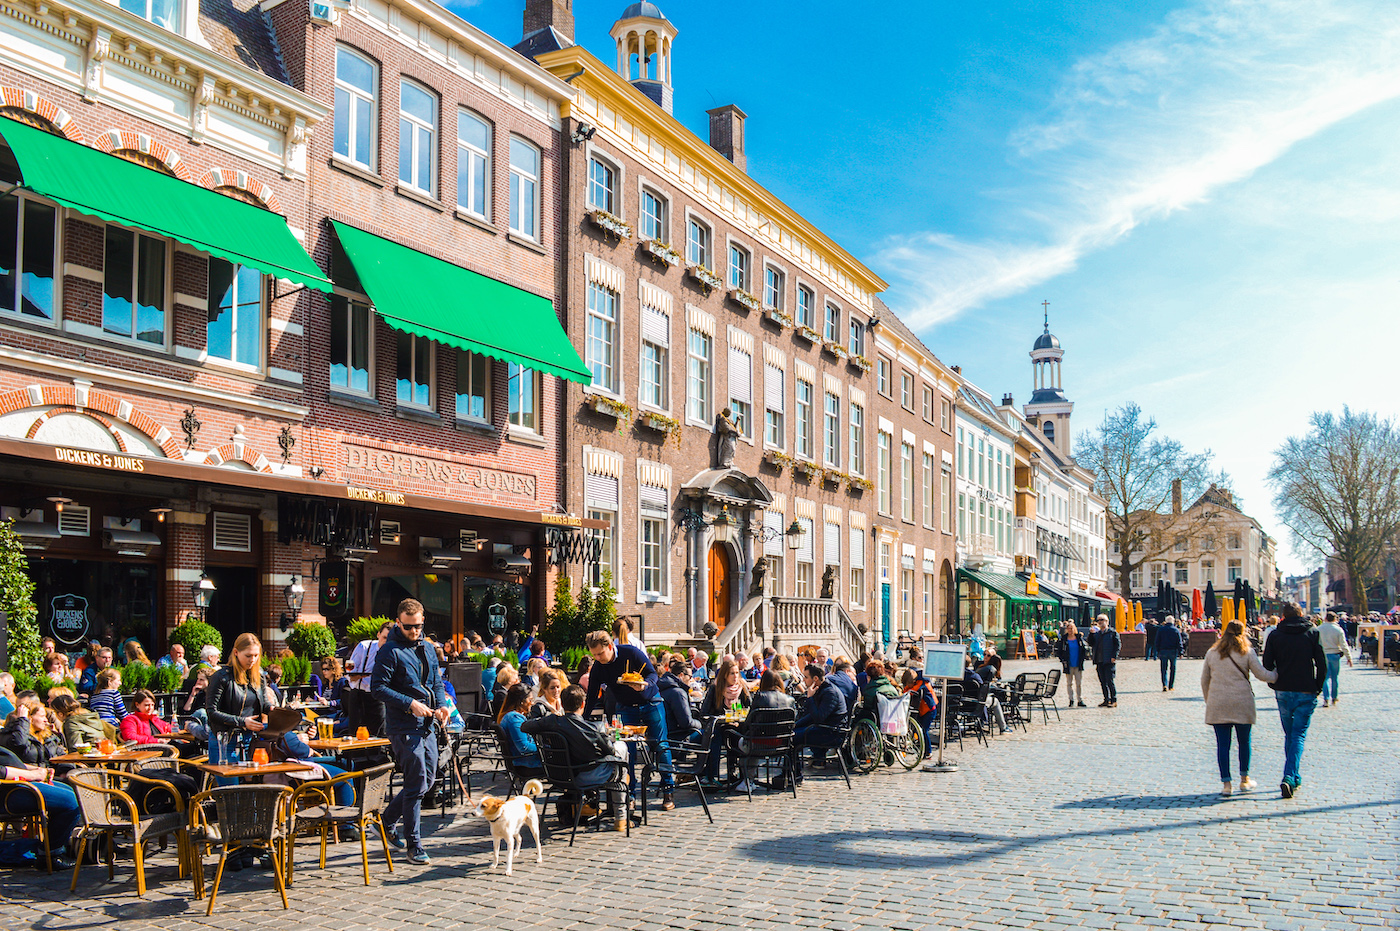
x=719 y=585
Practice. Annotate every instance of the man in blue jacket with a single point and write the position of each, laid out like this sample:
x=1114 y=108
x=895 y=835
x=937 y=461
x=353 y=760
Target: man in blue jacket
x=637 y=700
x=407 y=681
x=822 y=717
x=1169 y=646
x=843 y=676
x=1106 y=646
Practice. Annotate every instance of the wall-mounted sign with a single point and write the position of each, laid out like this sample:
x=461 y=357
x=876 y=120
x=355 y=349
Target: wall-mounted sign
x=496 y=618
x=336 y=597
x=68 y=619
x=367 y=460
x=88 y=457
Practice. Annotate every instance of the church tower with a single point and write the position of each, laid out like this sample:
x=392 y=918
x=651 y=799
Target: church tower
x=1049 y=409
x=644 y=38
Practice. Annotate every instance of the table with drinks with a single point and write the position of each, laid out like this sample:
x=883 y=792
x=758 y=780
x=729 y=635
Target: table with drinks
x=106 y=753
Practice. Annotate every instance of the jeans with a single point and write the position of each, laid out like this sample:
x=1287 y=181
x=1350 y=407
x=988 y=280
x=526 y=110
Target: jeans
x=653 y=715
x=1151 y=650
x=926 y=725
x=344 y=791
x=1168 y=671
x=1334 y=671
x=1074 y=683
x=601 y=775
x=417 y=756
x=60 y=802
x=820 y=738
x=1222 y=748
x=1295 y=711
x=1106 y=671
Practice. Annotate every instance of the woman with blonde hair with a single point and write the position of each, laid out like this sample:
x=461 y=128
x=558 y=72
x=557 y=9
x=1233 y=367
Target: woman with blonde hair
x=237 y=698
x=1229 y=696
x=28 y=735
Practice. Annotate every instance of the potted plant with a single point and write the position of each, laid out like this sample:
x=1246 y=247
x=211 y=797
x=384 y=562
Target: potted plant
x=311 y=640
x=858 y=484
x=194 y=635
x=832 y=477
x=668 y=426
x=777 y=318
x=860 y=362
x=611 y=225
x=809 y=334
x=706 y=278
x=744 y=299
x=833 y=348
x=661 y=252
x=808 y=470
x=778 y=459
x=610 y=407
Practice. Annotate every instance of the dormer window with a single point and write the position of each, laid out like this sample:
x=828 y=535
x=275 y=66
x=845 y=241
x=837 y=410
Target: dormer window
x=163 y=13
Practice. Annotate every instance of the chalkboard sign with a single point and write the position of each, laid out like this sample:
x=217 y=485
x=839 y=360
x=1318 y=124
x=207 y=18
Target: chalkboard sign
x=1028 y=642
x=944 y=660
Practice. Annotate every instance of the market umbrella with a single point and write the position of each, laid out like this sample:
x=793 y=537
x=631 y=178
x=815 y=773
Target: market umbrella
x=1122 y=615
x=1137 y=611
x=1249 y=599
x=1198 y=610
x=1210 y=606
x=1243 y=614
x=1228 y=614
x=1239 y=589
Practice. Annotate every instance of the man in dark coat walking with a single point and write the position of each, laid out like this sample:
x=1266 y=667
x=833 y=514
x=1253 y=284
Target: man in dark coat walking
x=1107 y=644
x=1295 y=652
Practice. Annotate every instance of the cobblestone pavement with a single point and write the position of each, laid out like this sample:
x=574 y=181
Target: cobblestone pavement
x=1110 y=818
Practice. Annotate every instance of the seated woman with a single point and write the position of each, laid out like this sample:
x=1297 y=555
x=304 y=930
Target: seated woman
x=771 y=695
x=81 y=728
x=727 y=689
x=28 y=736
x=144 y=725
x=506 y=676
x=193 y=705
x=877 y=685
x=524 y=755
x=552 y=685
x=60 y=802
x=533 y=669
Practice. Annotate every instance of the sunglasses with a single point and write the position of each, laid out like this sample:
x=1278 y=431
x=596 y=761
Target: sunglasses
x=411 y=626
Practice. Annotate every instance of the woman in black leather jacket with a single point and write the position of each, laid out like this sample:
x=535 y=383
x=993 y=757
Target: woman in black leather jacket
x=237 y=698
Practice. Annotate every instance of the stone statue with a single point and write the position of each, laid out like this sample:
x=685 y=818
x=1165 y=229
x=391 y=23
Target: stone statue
x=829 y=582
x=726 y=439
x=760 y=573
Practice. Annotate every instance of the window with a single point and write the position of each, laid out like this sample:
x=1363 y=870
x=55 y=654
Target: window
x=928 y=490
x=1180 y=543
x=163 y=13
x=832 y=330
x=698 y=377
x=831 y=556
x=884 y=561
x=906 y=599
x=928 y=404
x=1232 y=540
x=945 y=414
x=697 y=244
x=906 y=481
x=741 y=390
x=1158 y=572
x=774 y=402
x=473 y=386
x=349 y=356
x=1233 y=572
x=945 y=494
x=857 y=459
x=1181 y=575
x=652 y=375
x=1135 y=578
x=524 y=188
x=1208 y=543
x=1048 y=428
x=602 y=186
x=414 y=384
x=28 y=231
x=806 y=306
x=653 y=539
x=805 y=549
x=928 y=601
x=883 y=442
x=857 y=549
x=133 y=289
x=653 y=215
x=773 y=287
x=523 y=394
x=1208 y=571
x=417 y=128
x=355 y=119
x=234 y=331
x=1001 y=474
x=804 y=419
x=473 y=163
x=883 y=376
x=906 y=390
x=739 y=264
x=857 y=344
x=775 y=576
x=607 y=554
x=831 y=445
x=602 y=337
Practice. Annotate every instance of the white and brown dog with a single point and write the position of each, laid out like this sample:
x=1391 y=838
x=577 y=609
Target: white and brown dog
x=507 y=818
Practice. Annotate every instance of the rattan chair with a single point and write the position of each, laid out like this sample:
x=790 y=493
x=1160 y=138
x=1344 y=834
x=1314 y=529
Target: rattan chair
x=326 y=816
x=108 y=809
x=37 y=820
x=249 y=816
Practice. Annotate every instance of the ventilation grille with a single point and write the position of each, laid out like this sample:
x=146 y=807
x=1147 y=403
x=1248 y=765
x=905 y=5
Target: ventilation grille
x=233 y=533
x=75 y=521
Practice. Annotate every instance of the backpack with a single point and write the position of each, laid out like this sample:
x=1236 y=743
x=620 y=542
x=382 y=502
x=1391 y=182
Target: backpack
x=924 y=696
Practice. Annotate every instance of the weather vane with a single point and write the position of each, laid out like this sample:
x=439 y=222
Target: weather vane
x=1046 y=305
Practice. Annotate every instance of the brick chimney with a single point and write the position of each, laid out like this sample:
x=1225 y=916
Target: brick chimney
x=727 y=134
x=559 y=14
x=1176 y=496
x=957 y=370
x=1007 y=400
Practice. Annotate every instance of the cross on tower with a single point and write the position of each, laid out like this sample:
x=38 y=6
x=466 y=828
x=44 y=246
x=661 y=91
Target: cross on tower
x=1046 y=305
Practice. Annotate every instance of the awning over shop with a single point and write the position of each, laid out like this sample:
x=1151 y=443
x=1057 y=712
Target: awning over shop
x=1007 y=586
x=426 y=296
x=111 y=188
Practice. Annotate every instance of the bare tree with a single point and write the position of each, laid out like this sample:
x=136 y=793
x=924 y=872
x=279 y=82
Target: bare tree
x=1136 y=475
x=1337 y=488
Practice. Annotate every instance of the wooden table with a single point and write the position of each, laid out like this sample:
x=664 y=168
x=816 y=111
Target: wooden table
x=118 y=758
x=234 y=771
x=341 y=744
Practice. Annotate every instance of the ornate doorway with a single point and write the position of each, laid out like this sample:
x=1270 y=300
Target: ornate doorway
x=719 y=585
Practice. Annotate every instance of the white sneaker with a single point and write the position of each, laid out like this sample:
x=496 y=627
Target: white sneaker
x=1226 y=789
x=743 y=786
x=1246 y=784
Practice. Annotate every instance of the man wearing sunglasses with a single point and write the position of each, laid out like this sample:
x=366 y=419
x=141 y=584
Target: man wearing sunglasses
x=407 y=680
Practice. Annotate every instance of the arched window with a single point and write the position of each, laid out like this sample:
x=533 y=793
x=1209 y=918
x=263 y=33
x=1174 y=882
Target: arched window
x=1048 y=428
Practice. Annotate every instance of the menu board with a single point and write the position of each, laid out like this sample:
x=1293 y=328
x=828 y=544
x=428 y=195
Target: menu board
x=944 y=660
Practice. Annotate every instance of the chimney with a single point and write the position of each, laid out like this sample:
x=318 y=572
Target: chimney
x=727 y=134
x=1007 y=400
x=542 y=14
x=957 y=370
x=1176 y=496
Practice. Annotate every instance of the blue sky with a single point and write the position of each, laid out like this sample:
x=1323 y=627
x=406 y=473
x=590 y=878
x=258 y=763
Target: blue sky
x=1208 y=193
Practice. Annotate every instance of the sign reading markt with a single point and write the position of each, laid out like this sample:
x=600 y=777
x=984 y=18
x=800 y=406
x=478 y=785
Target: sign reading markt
x=397 y=466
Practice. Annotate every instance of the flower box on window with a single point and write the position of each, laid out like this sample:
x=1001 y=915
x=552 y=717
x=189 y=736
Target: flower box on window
x=808 y=470
x=707 y=279
x=860 y=362
x=666 y=426
x=610 y=407
x=833 y=477
x=857 y=484
x=835 y=349
x=744 y=299
x=778 y=318
x=661 y=252
x=610 y=224
x=778 y=459
x=809 y=334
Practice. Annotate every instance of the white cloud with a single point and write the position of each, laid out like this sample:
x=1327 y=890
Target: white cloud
x=1151 y=127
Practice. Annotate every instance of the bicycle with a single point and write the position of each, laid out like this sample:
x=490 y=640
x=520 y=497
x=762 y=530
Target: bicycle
x=869 y=747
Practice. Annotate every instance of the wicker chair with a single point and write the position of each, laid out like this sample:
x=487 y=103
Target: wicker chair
x=37 y=820
x=108 y=809
x=325 y=815
x=249 y=816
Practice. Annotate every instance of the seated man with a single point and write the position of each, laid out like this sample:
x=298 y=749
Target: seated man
x=674 y=686
x=821 y=720
x=102 y=659
x=596 y=756
x=843 y=676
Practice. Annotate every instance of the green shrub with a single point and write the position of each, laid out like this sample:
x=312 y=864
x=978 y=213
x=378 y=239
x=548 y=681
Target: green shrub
x=311 y=641
x=17 y=601
x=194 y=636
x=296 y=670
x=484 y=658
x=571 y=657
x=136 y=676
x=365 y=628
x=44 y=683
x=24 y=682
x=167 y=679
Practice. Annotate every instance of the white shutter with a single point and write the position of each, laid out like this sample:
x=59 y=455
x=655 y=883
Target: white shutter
x=805 y=549
x=773 y=387
x=653 y=501
x=600 y=491
x=656 y=327
x=832 y=550
x=773 y=523
x=233 y=533
x=857 y=548
x=740 y=375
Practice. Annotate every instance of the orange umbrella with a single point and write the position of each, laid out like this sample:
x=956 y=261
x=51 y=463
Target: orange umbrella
x=1198 y=609
x=1227 y=613
x=1122 y=615
x=1241 y=614
x=1137 y=612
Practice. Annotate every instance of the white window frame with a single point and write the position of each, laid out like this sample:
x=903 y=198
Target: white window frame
x=260 y=325
x=473 y=360
x=906 y=390
x=418 y=128
x=928 y=495
x=167 y=293
x=699 y=242
x=806 y=314
x=429 y=363
x=663 y=221
x=884 y=442
x=515 y=376
x=657 y=526
x=774 y=286
x=739 y=273
x=525 y=190
x=177 y=9
x=803 y=442
x=474 y=158
x=884 y=376
x=17 y=267
x=699 y=377
x=602 y=338
x=831 y=322
x=831 y=429
x=906 y=482
x=856 y=455
x=663 y=379
x=352 y=93
x=856 y=327
x=604 y=185
x=608 y=536
x=353 y=303
x=945 y=498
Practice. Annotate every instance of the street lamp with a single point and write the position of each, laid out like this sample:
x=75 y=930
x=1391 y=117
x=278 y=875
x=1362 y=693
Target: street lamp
x=203 y=592
x=295 y=593
x=794 y=534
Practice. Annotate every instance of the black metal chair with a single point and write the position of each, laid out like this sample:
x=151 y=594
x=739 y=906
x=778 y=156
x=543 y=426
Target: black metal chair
x=1046 y=698
x=562 y=774
x=767 y=738
x=949 y=715
x=841 y=735
x=688 y=761
x=972 y=713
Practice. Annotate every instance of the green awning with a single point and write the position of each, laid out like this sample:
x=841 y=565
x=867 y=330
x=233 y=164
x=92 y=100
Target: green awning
x=426 y=296
x=1064 y=598
x=1007 y=586
x=111 y=188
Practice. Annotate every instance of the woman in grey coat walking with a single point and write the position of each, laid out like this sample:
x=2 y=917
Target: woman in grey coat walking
x=1229 y=695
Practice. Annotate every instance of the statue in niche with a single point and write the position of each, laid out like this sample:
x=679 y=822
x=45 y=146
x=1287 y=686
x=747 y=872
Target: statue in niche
x=726 y=439
x=829 y=582
x=760 y=573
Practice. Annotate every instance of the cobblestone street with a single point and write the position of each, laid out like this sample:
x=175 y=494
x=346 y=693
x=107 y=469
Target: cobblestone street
x=1110 y=818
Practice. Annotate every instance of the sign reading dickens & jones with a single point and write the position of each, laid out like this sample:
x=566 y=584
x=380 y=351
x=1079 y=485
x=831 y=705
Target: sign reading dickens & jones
x=368 y=460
